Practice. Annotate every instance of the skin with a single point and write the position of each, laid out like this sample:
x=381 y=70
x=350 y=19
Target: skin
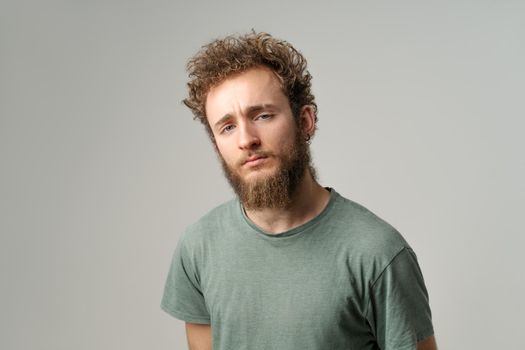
x=427 y=344
x=199 y=336
x=248 y=113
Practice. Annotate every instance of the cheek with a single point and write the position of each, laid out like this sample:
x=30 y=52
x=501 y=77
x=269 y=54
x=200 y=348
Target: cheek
x=283 y=138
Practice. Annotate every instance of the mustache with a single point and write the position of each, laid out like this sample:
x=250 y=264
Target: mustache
x=263 y=154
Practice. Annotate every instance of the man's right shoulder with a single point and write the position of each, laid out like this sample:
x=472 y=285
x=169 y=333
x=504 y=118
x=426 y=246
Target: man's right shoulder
x=212 y=222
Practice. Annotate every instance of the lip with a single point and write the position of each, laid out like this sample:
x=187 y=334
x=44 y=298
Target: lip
x=255 y=160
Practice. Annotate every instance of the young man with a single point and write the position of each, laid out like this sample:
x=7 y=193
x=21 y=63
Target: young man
x=288 y=264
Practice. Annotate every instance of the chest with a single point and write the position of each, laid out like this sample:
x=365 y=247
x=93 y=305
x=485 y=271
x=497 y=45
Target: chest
x=282 y=288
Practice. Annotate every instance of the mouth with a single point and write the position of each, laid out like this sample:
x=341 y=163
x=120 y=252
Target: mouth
x=254 y=160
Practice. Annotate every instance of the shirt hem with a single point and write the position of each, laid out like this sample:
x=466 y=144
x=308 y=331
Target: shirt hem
x=184 y=316
x=428 y=332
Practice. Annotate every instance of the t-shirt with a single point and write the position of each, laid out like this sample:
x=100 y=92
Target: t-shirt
x=344 y=280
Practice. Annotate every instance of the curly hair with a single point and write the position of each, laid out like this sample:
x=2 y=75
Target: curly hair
x=223 y=58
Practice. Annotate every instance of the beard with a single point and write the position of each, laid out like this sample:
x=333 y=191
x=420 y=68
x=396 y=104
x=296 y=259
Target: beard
x=276 y=190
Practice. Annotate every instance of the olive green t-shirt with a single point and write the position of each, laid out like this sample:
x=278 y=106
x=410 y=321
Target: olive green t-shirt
x=344 y=280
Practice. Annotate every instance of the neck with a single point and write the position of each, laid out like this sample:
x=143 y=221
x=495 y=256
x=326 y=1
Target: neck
x=308 y=201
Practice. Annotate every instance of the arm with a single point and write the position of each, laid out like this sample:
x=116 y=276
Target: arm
x=200 y=336
x=399 y=311
x=427 y=344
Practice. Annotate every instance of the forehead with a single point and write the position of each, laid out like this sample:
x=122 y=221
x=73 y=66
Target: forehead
x=256 y=86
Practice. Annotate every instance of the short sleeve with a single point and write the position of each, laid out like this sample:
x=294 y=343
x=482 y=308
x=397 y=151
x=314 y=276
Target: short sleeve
x=399 y=311
x=183 y=297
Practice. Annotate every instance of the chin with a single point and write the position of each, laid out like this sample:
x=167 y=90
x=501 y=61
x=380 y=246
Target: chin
x=258 y=173
x=255 y=177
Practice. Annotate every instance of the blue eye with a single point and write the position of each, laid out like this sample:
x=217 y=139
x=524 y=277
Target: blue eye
x=228 y=128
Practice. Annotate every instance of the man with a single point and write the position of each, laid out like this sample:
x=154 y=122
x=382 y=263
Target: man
x=288 y=264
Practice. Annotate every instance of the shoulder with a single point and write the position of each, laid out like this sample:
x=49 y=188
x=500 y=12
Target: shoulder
x=369 y=238
x=210 y=223
x=367 y=228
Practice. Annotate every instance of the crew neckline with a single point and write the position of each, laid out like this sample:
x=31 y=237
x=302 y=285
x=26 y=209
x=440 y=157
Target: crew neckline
x=294 y=231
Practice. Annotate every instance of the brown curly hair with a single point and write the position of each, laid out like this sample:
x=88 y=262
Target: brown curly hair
x=231 y=55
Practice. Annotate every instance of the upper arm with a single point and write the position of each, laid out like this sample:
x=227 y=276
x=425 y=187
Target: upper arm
x=199 y=336
x=399 y=312
x=427 y=344
x=183 y=296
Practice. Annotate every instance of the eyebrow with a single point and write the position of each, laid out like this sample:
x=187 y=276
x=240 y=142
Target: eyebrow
x=249 y=110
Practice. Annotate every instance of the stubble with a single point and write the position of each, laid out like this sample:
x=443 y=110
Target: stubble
x=276 y=190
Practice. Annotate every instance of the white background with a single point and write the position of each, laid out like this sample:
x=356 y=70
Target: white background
x=420 y=119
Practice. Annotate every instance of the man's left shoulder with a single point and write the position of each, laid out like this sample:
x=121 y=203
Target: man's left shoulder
x=366 y=232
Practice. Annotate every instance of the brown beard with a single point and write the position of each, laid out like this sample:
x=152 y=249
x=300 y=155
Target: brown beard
x=277 y=190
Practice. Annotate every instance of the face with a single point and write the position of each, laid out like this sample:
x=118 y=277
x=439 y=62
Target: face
x=262 y=148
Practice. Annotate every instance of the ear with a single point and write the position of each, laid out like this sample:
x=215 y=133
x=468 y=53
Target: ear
x=308 y=120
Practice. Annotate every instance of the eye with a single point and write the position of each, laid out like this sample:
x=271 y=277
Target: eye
x=227 y=128
x=264 y=116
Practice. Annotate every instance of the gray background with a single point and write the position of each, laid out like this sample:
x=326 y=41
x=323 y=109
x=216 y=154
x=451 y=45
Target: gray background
x=420 y=119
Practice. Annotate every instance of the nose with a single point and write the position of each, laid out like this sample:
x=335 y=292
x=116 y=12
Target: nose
x=248 y=137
